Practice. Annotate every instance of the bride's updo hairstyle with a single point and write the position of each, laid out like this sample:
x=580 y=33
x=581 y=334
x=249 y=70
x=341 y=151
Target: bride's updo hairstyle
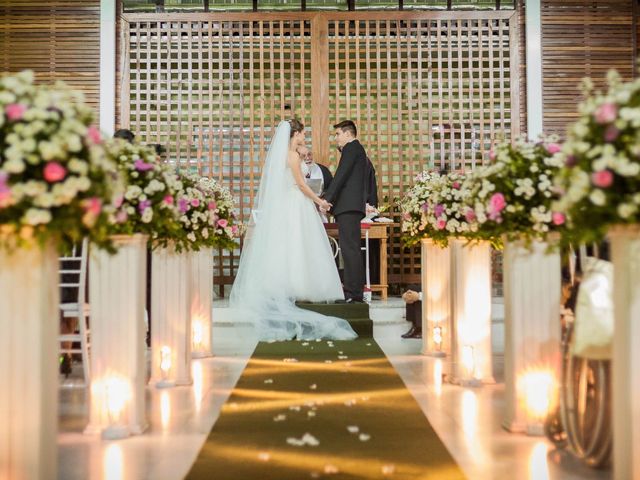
x=296 y=126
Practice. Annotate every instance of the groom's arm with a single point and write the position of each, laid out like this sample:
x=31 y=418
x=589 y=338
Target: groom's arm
x=345 y=167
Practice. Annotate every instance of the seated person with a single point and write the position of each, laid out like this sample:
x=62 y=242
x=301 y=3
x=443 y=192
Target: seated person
x=413 y=300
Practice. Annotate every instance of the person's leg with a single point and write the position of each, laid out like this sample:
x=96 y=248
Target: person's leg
x=414 y=315
x=349 y=232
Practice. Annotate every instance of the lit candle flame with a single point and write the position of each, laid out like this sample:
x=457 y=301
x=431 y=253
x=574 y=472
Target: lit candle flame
x=165 y=360
x=197 y=335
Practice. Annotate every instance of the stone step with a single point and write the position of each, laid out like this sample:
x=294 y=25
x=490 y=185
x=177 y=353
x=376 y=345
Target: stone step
x=357 y=314
x=340 y=310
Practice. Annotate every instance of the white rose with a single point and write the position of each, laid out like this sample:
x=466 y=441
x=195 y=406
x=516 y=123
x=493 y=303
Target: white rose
x=191 y=236
x=133 y=191
x=78 y=166
x=15 y=165
x=598 y=197
x=147 y=215
x=625 y=210
x=36 y=216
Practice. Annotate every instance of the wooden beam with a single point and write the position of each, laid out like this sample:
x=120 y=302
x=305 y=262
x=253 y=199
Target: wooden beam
x=320 y=88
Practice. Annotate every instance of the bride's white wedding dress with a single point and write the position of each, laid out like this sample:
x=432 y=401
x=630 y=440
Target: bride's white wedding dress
x=286 y=257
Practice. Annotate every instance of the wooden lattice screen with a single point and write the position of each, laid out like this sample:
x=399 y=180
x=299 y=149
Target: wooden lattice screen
x=426 y=89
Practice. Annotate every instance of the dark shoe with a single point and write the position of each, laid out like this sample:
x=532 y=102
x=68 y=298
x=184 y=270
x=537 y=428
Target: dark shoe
x=414 y=332
x=65 y=364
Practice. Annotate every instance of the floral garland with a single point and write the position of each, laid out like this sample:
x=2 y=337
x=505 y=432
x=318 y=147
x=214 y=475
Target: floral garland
x=206 y=216
x=54 y=175
x=147 y=204
x=513 y=197
x=437 y=207
x=600 y=181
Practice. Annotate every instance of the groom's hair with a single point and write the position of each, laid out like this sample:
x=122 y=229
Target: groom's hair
x=296 y=126
x=347 y=126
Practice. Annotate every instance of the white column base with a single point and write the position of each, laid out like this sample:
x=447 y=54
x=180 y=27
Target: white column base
x=29 y=328
x=471 y=333
x=117 y=294
x=201 y=303
x=532 y=290
x=171 y=323
x=625 y=254
x=436 y=298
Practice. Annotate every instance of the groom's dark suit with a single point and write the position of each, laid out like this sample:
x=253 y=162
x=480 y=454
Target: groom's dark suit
x=347 y=193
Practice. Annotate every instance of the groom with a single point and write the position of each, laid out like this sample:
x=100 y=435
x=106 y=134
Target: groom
x=347 y=194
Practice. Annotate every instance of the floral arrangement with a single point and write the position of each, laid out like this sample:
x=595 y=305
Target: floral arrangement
x=437 y=207
x=206 y=214
x=55 y=179
x=600 y=180
x=513 y=196
x=148 y=203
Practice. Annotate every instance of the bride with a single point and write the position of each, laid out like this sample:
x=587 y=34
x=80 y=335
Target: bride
x=286 y=256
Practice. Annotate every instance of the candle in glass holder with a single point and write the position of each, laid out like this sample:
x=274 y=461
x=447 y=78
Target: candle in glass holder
x=116 y=396
x=537 y=387
x=165 y=368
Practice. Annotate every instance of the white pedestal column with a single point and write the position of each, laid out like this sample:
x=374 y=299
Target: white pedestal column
x=436 y=299
x=29 y=327
x=201 y=302
x=532 y=289
x=471 y=294
x=117 y=293
x=171 y=322
x=625 y=254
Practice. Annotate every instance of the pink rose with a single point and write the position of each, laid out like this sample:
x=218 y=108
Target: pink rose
x=492 y=155
x=15 y=111
x=118 y=201
x=553 y=148
x=141 y=166
x=438 y=210
x=424 y=207
x=195 y=202
x=212 y=205
x=496 y=205
x=406 y=216
x=558 y=218
x=611 y=133
x=168 y=200
x=92 y=205
x=606 y=113
x=234 y=230
x=441 y=224
x=5 y=191
x=121 y=216
x=183 y=205
x=470 y=215
x=54 y=172
x=456 y=185
x=222 y=223
x=93 y=134
x=602 y=179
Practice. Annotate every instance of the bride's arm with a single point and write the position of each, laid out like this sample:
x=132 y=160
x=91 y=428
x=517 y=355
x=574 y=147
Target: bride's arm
x=294 y=164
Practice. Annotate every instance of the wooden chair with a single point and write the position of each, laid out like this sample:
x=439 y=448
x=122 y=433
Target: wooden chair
x=73 y=304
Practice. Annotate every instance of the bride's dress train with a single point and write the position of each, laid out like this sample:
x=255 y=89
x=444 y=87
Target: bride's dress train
x=286 y=257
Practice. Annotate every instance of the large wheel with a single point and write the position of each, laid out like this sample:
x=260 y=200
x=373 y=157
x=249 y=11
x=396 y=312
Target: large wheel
x=585 y=407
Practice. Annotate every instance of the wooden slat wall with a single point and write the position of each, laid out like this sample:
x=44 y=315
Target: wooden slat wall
x=581 y=38
x=59 y=40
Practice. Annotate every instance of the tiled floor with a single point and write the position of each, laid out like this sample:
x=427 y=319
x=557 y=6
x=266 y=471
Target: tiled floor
x=468 y=420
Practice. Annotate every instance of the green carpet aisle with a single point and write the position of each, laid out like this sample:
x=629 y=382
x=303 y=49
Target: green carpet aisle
x=322 y=409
